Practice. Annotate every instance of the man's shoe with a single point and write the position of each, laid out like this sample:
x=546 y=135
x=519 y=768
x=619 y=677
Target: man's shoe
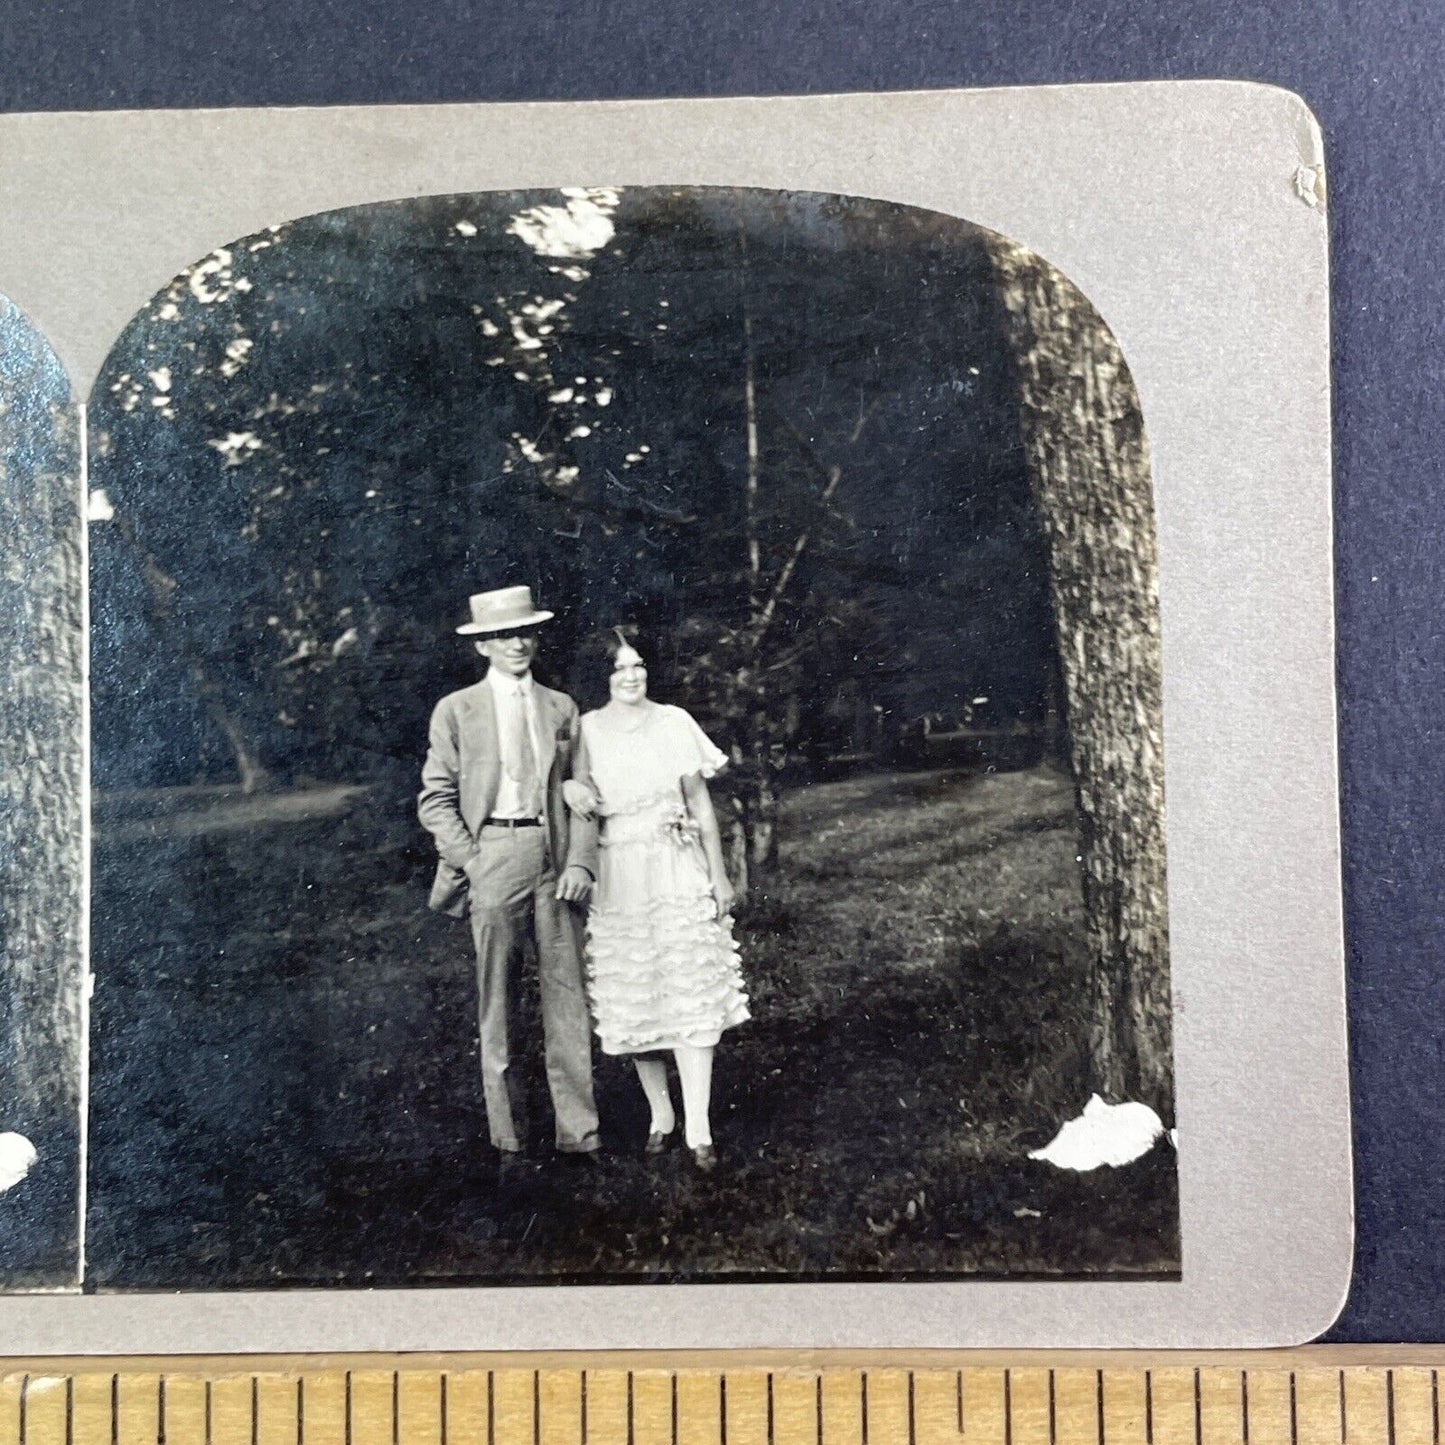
x=705 y=1157
x=659 y=1143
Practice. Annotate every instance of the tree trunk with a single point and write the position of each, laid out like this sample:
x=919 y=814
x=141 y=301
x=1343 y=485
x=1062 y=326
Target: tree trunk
x=763 y=845
x=1056 y=726
x=737 y=843
x=251 y=771
x=752 y=478
x=1089 y=468
x=42 y=826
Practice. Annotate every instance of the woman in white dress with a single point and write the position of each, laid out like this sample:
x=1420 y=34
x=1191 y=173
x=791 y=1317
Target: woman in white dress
x=662 y=965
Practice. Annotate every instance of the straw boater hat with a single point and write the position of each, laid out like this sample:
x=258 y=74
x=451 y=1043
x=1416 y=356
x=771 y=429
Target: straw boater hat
x=501 y=611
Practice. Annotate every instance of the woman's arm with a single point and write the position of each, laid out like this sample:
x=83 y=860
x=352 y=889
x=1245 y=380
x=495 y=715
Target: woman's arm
x=579 y=792
x=699 y=805
x=582 y=831
x=580 y=796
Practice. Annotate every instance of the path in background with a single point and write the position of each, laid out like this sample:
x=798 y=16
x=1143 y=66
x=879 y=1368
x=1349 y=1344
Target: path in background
x=285 y=1082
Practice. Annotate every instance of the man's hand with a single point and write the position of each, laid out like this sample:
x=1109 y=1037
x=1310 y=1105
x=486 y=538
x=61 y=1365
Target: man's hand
x=574 y=885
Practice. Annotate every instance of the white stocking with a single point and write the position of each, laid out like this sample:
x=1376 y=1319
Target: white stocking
x=653 y=1075
x=694 y=1069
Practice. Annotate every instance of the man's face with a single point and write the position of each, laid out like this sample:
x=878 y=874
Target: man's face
x=511 y=653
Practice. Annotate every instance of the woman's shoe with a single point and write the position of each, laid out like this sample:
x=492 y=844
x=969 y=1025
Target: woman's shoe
x=705 y=1157
x=658 y=1143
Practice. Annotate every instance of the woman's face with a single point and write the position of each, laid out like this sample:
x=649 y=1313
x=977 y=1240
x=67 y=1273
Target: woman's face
x=629 y=676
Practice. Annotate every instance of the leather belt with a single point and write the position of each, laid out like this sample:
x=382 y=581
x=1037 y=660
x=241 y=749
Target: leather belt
x=512 y=823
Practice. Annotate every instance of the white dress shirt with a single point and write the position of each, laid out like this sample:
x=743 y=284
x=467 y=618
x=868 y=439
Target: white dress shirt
x=509 y=693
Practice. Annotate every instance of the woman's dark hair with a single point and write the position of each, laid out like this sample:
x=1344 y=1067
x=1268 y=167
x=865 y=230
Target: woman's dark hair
x=596 y=656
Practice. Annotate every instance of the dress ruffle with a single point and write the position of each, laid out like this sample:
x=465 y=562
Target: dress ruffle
x=662 y=970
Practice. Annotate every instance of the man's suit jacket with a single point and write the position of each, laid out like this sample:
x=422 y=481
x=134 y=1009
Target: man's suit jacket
x=463 y=768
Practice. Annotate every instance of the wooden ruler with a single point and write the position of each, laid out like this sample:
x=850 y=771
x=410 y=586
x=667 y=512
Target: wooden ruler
x=1318 y=1396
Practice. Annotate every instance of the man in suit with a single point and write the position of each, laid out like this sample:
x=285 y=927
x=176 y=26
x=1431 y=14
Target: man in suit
x=513 y=859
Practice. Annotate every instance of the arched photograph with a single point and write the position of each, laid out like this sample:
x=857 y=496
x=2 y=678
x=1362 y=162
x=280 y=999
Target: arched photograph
x=626 y=745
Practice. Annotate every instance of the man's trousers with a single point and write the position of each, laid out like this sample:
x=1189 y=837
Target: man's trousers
x=513 y=888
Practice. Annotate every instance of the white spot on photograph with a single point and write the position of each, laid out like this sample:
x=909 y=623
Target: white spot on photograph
x=1112 y=1134
x=17 y=1159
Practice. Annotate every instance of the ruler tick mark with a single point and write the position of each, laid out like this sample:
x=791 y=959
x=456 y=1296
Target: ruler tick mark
x=171 y=1410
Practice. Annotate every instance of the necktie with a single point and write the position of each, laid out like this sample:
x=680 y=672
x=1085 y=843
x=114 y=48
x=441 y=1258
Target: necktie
x=522 y=758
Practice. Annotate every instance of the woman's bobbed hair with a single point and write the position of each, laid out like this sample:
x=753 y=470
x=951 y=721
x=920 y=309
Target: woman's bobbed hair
x=596 y=657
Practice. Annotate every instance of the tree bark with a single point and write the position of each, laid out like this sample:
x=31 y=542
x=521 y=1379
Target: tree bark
x=1056 y=725
x=42 y=861
x=1088 y=460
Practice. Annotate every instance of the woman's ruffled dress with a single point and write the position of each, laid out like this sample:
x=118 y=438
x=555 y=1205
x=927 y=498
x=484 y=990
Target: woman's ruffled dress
x=662 y=968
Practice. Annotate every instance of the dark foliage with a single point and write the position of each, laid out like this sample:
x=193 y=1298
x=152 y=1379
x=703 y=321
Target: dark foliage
x=300 y=592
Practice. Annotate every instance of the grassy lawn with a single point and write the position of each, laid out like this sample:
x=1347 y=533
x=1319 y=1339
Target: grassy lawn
x=285 y=1089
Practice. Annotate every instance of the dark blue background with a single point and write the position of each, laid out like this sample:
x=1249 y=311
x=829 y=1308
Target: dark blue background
x=1372 y=72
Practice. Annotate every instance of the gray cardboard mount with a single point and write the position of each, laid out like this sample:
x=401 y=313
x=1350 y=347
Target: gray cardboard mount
x=1193 y=216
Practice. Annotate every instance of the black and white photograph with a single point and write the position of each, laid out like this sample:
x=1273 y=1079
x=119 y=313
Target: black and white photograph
x=42 y=1033
x=626 y=745
x=726 y=693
